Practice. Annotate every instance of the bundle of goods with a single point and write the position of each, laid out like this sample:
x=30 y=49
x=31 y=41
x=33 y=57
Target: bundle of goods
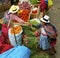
x=25 y=5
x=17 y=52
x=15 y=34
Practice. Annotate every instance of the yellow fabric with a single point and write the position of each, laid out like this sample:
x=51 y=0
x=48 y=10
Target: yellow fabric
x=50 y=3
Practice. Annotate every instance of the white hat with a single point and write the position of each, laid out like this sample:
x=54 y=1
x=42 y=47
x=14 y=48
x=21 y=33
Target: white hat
x=45 y=19
x=14 y=9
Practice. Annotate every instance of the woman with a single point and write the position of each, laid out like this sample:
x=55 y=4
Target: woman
x=48 y=35
x=43 y=41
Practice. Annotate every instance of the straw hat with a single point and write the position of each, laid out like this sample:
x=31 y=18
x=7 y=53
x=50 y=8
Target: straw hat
x=14 y=9
x=45 y=19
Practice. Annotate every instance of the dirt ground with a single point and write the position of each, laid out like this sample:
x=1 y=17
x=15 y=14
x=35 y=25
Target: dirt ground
x=54 y=13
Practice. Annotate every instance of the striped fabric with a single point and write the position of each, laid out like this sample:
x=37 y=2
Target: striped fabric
x=51 y=31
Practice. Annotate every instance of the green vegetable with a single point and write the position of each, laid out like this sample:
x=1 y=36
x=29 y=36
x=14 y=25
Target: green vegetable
x=33 y=29
x=28 y=31
x=33 y=1
x=32 y=42
x=34 y=21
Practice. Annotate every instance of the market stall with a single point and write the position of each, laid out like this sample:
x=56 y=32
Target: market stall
x=18 y=23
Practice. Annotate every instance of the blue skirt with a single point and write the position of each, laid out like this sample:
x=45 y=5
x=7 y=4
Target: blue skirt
x=43 y=42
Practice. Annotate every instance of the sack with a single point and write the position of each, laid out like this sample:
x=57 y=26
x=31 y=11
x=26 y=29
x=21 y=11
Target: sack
x=12 y=37
x=50 y=3
x=51 y=31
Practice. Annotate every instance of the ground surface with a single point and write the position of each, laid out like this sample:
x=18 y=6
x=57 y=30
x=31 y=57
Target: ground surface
x=55 y=19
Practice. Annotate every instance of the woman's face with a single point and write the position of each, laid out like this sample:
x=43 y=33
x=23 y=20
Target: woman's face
x=43 y=23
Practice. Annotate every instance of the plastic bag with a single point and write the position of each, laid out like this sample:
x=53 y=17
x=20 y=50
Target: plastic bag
x=17 y=52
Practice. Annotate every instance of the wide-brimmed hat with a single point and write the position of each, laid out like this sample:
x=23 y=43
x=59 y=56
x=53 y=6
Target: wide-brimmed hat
x=14 y=9
x=45 y=19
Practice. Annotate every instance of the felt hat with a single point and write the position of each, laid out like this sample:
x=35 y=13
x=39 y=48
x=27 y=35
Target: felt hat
x=14 y=9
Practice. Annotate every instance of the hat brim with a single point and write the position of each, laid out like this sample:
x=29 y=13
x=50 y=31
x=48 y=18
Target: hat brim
x=44 y=20
x=11 y=9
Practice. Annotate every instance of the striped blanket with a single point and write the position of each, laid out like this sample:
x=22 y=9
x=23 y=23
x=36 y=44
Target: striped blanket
x=51 y=31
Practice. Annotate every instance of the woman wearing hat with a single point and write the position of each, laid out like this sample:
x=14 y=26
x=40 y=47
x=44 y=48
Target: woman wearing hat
x=46 y=29
x=43 y=41
x=12 y=14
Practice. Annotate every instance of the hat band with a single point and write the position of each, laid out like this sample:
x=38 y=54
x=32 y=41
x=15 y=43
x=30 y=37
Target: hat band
x=45 y=19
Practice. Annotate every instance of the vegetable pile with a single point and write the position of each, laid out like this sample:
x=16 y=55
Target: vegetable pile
x=24 y=14
x=30 y=39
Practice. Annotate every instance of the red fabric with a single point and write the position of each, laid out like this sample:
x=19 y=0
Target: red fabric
x=5 y=32
x=42 y=5
x=53 y=43
x=4 y=46
x=2 y=40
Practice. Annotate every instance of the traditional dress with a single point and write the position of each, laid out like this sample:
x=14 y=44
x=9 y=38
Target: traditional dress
x=43 y=41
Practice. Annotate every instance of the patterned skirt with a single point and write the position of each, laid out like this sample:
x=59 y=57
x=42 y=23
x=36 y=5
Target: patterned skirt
x=43 y=42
